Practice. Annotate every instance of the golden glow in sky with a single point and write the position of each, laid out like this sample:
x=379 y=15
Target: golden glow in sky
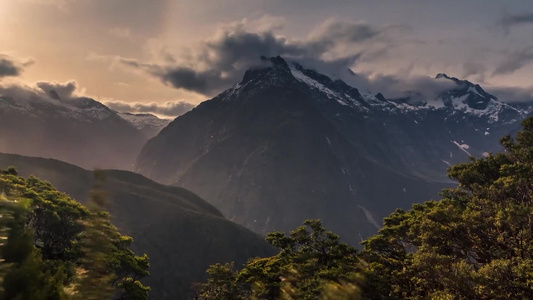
x=119 y=49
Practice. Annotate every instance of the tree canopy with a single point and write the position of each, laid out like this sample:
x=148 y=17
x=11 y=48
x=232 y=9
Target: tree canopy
x=55 y=248
x=311 y=262
x=474 y=243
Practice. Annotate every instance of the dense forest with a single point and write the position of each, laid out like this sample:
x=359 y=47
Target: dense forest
x=476 y=242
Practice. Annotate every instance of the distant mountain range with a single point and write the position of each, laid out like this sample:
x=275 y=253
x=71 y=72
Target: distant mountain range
x=78 y=130
x=148 y=124
x=285 y=144
x=288 y=143
x=181 y=233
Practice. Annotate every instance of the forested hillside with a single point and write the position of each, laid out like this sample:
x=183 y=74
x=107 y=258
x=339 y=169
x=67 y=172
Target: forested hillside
x=181 y=233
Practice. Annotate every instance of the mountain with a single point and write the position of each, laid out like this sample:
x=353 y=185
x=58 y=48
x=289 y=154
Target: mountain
x=150 y=125
x=287 y=143
x=415 y=135
x=78 y=130
x=181 y=233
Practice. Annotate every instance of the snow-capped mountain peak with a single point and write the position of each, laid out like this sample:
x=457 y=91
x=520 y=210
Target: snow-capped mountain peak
x=148 y=124
x=143 y=120
x=81 y=109
x=464 y=96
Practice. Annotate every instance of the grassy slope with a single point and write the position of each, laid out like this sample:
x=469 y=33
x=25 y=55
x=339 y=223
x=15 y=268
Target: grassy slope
x=181 y=233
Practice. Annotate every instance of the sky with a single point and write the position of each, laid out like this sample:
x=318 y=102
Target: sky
x=160 y=55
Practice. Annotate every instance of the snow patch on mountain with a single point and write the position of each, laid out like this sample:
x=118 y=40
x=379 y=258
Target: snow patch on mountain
x=456 y=100
x=317 y=85
x=82 y=109
x=141 y=121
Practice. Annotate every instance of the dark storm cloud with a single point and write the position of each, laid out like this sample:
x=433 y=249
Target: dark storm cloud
x=221 y=61
x=515 y=61
x=12 y=67
x=510 y=20
x=169 y=108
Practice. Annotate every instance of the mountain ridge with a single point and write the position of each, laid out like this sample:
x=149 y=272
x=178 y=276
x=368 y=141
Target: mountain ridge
x=79 y=130
x=181 y=233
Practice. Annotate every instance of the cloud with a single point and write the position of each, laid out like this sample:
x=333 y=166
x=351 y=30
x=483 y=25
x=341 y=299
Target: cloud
x=120 y=32
x=67 y=90
x=70 y=91
x=509 y=20
x=20 y=92
x=333 y=33
x=393 y=86
x=514 y=61
x=41 y=91
x=62 y=5
x=265 y=23
x=221 y=60
x=10 y=66
x=512 y=94
x=474 y=68
x=169 y=108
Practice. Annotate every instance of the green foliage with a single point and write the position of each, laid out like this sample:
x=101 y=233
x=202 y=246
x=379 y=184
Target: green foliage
x=311 y=262
x=96 y=243
x=24 y=275
x=221 y=283
x=475 y=243
x=57 y=249
x=340 y=291
x=104 y=249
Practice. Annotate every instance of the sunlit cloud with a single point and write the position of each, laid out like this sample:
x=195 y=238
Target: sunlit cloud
x=167 y=109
